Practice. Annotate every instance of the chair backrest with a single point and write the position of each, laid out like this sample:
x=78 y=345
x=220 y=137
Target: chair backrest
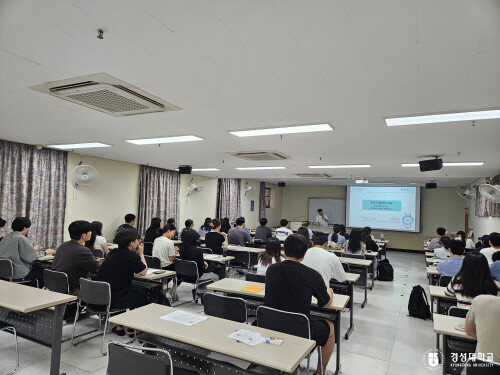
x=255 y=278
x=186 y=269
x=6 y=269
x=206 y=250
x=349 y=255
x=122 y=360
x=95 y=292
x=152 y=262
x=231 y=308
x=56 y=281
x=98 y=253
x=148 y=248
x=444 y=280
x=457 y=311
x=239 y=256
x=346 y=267
x=477 y=366
x=283 y=321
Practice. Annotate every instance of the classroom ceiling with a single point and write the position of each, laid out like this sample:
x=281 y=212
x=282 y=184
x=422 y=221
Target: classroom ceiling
x=233 y=65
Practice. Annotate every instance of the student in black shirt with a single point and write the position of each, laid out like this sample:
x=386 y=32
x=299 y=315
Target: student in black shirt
x=290 y=286
x=214 y=239
x=367 y=239
x=190 y=251
x=129 y=224
x=225 y=225
x=263 y=232
x=154 y=230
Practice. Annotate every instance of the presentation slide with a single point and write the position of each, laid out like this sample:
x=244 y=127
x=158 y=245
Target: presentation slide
x=388 y=208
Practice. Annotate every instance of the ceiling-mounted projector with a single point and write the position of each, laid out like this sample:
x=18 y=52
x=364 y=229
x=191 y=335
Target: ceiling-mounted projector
x=431 y=165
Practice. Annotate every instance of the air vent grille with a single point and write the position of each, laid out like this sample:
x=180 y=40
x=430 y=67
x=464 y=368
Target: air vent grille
x=109 y=101
x=260 y=155
x=313 y=175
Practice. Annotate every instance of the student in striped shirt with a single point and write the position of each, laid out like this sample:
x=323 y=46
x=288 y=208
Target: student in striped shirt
x=473 y=279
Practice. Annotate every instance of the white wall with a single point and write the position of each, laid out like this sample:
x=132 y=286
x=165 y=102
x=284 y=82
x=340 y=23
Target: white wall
x=197 y=206
x=481 y=225
x=115 y=194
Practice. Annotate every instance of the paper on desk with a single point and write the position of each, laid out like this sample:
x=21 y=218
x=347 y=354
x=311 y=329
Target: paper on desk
x=210 y=256
x=253 y=288
x=150 y=271
x=247 y=337
x=185 y=318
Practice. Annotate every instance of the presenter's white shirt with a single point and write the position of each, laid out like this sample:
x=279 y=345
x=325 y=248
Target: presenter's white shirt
x=326 y=263
x=282 y=233
x=322 y=220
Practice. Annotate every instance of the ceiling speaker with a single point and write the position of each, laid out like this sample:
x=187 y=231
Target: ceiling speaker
x=431 y=185
x=185 y=169
x=431 y=165
x=281 y=184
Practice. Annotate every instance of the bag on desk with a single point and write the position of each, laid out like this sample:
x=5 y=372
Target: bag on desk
x=418 y=305
x=385 y=272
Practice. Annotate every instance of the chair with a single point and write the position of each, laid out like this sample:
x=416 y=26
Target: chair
x=97 y=296
x=6 y=327
x=57 y=281
x=287 y=322
x=206 y=250
x=97 y=253
x=7 y=273
x=241 y=260
x=187 y=271
x=346 y=267
x=255 y=278
x=231 y=308
x=478 y=366
x=457 y=311
x=126 y=359
x=152 y=262
x=148 y=248
x=444 y=280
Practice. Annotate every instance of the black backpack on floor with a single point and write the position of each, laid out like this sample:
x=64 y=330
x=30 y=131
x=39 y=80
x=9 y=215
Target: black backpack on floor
x=385 y=272
x=418 y=305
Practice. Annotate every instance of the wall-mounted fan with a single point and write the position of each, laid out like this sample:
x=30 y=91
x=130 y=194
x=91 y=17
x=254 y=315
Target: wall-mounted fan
x=490 y=192
x=464 y=192
x=193 y=189
x=248 y=189
x=84 y=175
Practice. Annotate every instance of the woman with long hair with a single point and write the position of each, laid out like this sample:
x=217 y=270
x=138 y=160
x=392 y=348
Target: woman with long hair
x=190 y=251
x=303 y=230
x=154 y=230
x=468 y=243
x=225 y=225
x=355 y=244
x=207 y=225
x=270 y=256
x=343 y=232
x=473 y=279
x=97 y=241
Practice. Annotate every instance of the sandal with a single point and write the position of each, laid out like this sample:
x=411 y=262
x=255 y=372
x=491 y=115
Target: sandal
x=120 y=332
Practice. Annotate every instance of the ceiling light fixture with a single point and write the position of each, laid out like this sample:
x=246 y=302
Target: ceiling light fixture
x=444 y=117
x=451 y=164
x=341 y=166
x=362 y=181
x=257 y=168
x=202 y=169
x=283 y=130
x=73 y=146
x=155 y=141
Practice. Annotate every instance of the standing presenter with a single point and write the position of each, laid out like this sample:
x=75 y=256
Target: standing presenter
x=321 y=218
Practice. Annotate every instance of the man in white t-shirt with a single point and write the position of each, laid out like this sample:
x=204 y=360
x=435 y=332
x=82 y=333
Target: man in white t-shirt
x=321 y=218
x=164 y=248
x=321 y=260
x=495 y=246
x=283 y=232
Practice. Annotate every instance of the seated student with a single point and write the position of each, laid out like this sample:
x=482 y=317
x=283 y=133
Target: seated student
x=367 y=239
x=225 y=225
x=306 y=224
x=118 y=270
x=451 y=266
x=16 y=247
x=129 y=224
x=97 y=241
x=495 y=246
x=321 y=260
x=189 y=226
x=239 y=236
x=270 y=256
x=154 y=230
x=190 y=251
x=263 y=232
x=468 y=243
x=2 y=224
x=215 y=239
x=495 y=266
x=483 y=242
x=164 y=248
x=207 y=225
x=443 y=252
x=482 y=323
x=75 y=259
x=369 y=230
x=334 y=237
x=283 y=232
x=304 y=232
x=290 y=285
x=343 y=232
x=171 y=220
x=473 y=279
x=355 y=245
x=340 y=238
x=434 y=243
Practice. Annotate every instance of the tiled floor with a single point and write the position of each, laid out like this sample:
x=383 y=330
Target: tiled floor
x=385 y=339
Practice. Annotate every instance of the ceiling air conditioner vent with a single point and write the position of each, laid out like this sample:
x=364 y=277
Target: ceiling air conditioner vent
x=313 y=175
x=107 y=94
x=260 y=155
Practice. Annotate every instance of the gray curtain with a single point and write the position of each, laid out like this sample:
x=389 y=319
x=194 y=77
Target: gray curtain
x=262 y=200
x=158 y=196
x=484 y=207
x=33 y=184
x=230 y=198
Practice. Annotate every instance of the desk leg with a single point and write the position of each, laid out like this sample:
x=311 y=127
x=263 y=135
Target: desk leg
x=373 y=273
x=351 y=312
x=432 y=305
x=366 y=287
x=337 y=341
x=55 y=356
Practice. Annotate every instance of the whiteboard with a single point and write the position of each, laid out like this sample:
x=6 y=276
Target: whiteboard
x=333 y=208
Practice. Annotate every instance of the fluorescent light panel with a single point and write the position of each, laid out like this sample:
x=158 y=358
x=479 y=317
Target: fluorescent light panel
x=257 y=168
x=444 y=117
x=283 y=130
x=457 y=164
x=72 y=146
x=340 y=166
x=155 y=141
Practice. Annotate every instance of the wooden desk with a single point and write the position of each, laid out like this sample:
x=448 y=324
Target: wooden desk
x=154 y=276
x=24 y=299
x=244 y=248
x=211 y=334
x=364 y=263
x=433 y=260
x=429 y=254
x=432 y=270
x=45 y=258
x=219 y=259
x=235 y=286
x=437 y=293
